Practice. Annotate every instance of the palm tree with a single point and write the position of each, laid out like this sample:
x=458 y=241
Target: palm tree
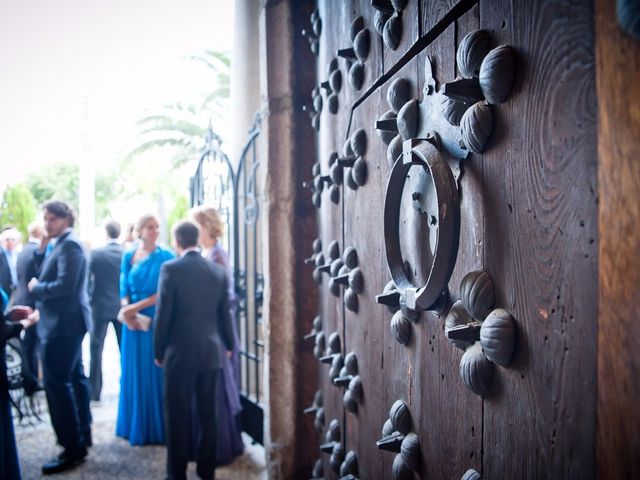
x=183 y=126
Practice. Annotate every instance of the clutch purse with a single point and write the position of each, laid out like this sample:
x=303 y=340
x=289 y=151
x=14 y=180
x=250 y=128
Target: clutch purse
x=143 y=321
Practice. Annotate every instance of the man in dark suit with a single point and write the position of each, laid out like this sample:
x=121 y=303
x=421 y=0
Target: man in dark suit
x=192 y=325
x=104 y=278
x=26 y=269
x=8 y=253
x=60 y=292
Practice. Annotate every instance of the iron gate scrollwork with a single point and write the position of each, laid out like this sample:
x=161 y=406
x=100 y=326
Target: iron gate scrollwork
x=234 y=193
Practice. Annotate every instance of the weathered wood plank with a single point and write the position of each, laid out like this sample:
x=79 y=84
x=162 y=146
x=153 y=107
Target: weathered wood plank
x=617 y=74
x=539 y=188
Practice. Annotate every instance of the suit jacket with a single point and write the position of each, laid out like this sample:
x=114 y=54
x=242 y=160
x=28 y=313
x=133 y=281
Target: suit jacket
x=61 y=294
x=26 y=269
x=104 y=281
x=192 y=321
x=6 y=282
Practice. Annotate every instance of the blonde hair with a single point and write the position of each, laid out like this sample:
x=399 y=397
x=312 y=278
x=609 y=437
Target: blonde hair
x=209 y=219
x=142 y=221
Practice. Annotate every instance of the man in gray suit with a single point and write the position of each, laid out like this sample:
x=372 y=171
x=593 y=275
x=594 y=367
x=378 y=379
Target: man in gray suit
x=192 y=325
x=104 y=281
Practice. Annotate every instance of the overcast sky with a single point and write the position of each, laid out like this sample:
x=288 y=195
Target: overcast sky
x=117 y=57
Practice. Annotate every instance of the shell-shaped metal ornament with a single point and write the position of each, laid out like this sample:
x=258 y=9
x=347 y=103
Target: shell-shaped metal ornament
x=319 y=420
x=385 y=135
x=336 y=173
x=394 y=150
x=317 y=103
x=334 y=287
x=410 y=451
x=362 y=43
x=356 y=75
x=336 y=265
x=356 y=280
x=319 y=260
x=453 y=110
x=476 y=126
x=314 y=14
x=314 y=45
x=334 y=194
x=359 y=142
x=334 y=344
x=337 y=456
x=351 y=363
x=350 y=257
x=498 y=336
x=346 y=148
x=471 y=474
x=333 y=433
x=400 y=469
x=335 y=80
x=355 y=387
x=336 y=366
x=351 y=182
x=476 y=370
x=349 y=402
x=333 y=157
x=317 y=26
x=315 y=170
x=379 y=19
x=351 y=300
x=317 y=243
x=387 y=288
x=356 y=25
x=343 y=271
x=317 y=276
x=317 y=399
x=401 y=328
x=321 y=342
x=333 y=65
x=458 y=315
x=387 y=428
x=332 y=103
x=316 y=199
x=318 y=183
x=408 y=120
x=471 y=51
x=349 y=465
x=392 y=33
x=398 y=94
x=477 y=293
x=334 y=250
x=400 y=417
x=318 y=469
x=497 y=74
x=359 y=171
x=317 y=323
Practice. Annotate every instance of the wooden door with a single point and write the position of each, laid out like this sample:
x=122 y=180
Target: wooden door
x=527 y=219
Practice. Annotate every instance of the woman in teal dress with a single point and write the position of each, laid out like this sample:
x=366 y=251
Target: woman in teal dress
x=140 y=409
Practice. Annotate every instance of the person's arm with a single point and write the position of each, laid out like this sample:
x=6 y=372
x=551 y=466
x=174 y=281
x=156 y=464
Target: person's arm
x=91 y=276
x=224 y=318
x=70 y=261
x=164 y=313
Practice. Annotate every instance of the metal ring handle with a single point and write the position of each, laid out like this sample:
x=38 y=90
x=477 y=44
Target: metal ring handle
x=425 y=154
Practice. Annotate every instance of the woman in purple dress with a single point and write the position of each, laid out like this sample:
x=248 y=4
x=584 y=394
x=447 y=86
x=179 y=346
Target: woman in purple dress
x=229 y=440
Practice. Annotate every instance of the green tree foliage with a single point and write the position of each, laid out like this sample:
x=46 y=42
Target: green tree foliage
x=60 y=181
x=18 y=208
x=183 y=125
x=179 y=212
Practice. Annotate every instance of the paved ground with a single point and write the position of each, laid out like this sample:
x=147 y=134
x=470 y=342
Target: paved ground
x=112 y=457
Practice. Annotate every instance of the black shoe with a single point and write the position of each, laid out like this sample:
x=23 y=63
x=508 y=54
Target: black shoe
x=66 y=461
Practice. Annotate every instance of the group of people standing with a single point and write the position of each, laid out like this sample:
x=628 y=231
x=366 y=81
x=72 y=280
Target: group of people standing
x=172 y=313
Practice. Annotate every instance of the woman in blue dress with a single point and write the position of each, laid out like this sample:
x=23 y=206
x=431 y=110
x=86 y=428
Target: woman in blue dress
x=140 y=409
x=229 y=442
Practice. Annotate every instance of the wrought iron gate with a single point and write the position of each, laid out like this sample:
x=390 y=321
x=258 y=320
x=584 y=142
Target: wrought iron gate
x=234 y=193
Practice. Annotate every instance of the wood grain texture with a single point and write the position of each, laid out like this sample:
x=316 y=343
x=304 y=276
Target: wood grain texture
x=432 y=12
x=617 y=73
x=539 y=186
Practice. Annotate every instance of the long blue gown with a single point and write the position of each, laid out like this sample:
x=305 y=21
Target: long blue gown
x=140 y=409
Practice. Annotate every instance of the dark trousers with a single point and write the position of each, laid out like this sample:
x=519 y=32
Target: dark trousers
x=99 y=332
x=30 y=344
x=179 y=389
x=67 y=390
x=9 y=466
